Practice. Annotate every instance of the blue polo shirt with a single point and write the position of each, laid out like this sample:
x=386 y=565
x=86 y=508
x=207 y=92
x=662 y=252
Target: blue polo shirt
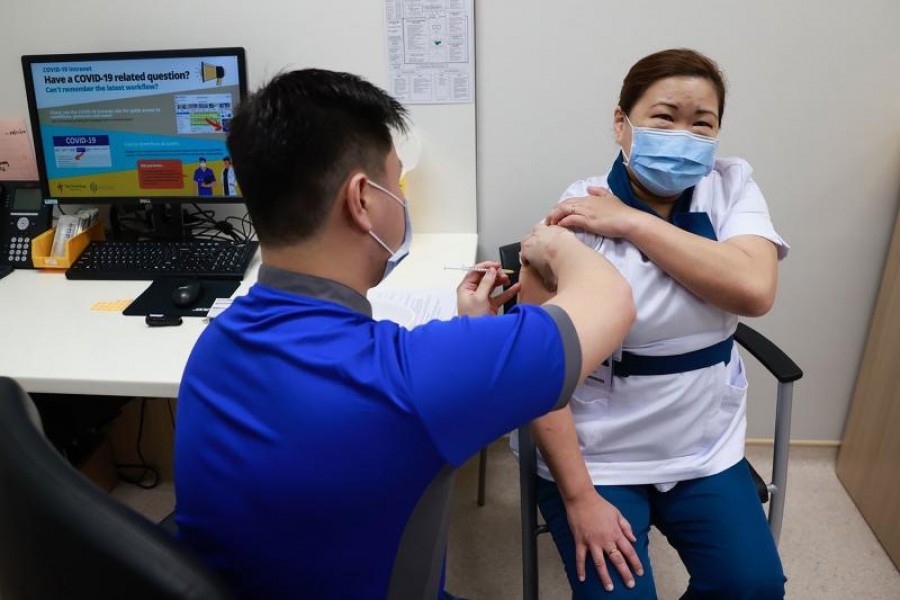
x=315 y=446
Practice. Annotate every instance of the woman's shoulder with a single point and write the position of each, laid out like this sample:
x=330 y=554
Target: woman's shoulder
x=730 y=179
x=579 y=188
x=732 y=169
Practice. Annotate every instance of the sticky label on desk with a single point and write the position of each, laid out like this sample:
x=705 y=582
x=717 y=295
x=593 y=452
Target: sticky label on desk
x=219 y=305
x=112 y=305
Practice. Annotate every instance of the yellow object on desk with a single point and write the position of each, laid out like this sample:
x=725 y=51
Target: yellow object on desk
x=42 y=244
x=112 y=305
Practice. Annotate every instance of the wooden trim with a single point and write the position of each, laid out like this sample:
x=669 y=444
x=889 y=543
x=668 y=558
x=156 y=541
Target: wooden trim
x=867 y=464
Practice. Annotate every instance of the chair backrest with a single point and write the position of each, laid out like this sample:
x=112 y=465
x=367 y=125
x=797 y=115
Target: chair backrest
x=62 y=537
x=509 y=259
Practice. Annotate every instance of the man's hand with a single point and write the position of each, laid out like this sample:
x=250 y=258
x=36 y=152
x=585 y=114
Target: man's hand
x=533 y=291
x=541 y=247
x=601 y=213
x=473 y=296
x=600 y=529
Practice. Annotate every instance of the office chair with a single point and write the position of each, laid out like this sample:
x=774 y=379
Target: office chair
x=768 y=354
x=61 y=537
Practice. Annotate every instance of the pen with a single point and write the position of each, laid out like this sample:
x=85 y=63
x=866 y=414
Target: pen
x=478 y=269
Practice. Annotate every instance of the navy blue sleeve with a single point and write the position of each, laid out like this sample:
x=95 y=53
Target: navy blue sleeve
x=471 y=380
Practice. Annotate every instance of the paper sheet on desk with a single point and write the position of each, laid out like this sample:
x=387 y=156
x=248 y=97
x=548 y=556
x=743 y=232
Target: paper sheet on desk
x=218 y=307
x=412 y=307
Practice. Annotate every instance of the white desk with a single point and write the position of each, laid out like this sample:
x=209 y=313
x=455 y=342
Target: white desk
x=51 y=341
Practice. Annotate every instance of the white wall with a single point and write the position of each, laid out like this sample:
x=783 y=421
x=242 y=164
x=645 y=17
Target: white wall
x=814 y=105
x=346 y=35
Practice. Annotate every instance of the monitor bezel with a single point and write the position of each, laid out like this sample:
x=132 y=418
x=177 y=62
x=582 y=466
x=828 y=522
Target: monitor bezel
x=30 y=59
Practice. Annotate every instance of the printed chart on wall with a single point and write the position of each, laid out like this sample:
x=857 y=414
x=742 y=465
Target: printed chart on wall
x=137 y=127
x=430 y=46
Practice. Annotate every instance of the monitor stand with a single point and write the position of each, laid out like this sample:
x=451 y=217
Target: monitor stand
x=167 y=220
x=156 y=221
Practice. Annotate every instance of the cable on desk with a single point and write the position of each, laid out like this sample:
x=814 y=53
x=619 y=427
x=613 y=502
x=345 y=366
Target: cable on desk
x=143 y=464
x=202 y=224
x=136 y=223
x=246 y=226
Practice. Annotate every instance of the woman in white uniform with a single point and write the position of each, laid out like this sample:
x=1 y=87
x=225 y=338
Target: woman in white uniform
x=659 y=440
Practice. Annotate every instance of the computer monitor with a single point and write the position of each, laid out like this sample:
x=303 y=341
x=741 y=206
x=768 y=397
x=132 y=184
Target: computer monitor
x=135 y=127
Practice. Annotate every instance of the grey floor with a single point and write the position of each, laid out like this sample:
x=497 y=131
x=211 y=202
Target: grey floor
x=828 y=550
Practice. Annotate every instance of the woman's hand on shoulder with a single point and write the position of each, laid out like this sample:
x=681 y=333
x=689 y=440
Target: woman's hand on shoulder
x=600 y=213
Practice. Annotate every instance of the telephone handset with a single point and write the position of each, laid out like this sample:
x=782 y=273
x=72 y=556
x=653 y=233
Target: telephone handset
x=24 y=216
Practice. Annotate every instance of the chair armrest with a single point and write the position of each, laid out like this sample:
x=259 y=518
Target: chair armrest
x=771 y=356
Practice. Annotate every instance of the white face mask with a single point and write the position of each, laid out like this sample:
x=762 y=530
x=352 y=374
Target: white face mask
x=203 y=165
x=396 y=256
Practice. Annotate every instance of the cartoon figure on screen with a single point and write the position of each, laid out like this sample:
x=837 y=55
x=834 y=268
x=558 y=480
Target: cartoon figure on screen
x=205 y=179
x=229 y=181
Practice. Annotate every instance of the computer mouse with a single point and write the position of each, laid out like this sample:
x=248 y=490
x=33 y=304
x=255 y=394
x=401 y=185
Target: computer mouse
x=186 y=294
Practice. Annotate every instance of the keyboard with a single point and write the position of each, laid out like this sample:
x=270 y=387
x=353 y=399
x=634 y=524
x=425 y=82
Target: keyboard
x=200 y=259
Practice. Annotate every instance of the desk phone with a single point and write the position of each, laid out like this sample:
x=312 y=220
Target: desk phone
x=24 y=217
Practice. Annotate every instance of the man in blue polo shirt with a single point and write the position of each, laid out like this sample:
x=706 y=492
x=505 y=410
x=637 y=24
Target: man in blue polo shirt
x=315 y=446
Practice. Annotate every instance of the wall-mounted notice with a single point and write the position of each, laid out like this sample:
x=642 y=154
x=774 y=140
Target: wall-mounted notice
x=16 y=157
x=431 y=50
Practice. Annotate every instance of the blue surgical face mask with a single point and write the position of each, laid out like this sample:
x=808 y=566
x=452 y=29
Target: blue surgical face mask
x=667 y=162
x=396 y=256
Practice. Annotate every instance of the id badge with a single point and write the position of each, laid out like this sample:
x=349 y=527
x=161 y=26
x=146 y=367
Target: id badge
x=609 y=368
x=603 y=375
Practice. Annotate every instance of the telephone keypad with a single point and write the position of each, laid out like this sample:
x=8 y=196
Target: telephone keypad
x=19 y=249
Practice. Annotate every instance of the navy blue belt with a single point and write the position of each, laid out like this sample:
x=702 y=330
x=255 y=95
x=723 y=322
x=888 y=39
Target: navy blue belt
x=634 y=364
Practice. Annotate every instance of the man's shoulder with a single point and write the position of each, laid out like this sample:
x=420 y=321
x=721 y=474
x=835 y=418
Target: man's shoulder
x=272 y=309
x=474 y=332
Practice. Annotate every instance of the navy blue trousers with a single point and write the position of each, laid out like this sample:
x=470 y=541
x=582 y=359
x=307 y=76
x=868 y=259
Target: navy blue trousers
x=716 y=524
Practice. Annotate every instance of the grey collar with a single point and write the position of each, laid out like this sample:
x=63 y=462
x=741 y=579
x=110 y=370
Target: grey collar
x=315 y=287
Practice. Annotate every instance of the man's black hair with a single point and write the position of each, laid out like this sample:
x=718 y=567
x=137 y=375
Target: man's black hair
x=298 y=138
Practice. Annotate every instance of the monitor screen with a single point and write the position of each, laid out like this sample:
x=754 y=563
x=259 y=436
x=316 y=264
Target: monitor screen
x=135 y=126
